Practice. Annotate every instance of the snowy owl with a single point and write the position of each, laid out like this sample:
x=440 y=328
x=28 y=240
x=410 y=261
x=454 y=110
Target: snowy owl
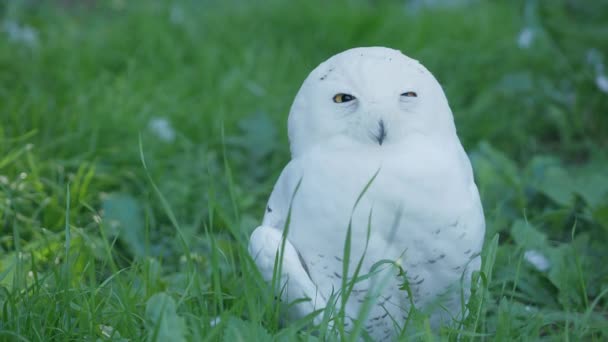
x=375 y=157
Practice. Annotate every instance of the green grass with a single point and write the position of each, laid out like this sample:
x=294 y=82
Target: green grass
x=95 y=244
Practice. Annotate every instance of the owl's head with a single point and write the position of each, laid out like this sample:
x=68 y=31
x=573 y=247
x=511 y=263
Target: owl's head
x=373 y=95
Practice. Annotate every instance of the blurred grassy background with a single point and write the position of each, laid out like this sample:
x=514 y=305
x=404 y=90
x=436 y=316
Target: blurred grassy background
x=202 y=89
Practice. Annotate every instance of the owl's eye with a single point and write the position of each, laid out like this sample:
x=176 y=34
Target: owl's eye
x=410 y=94
x=341 y=98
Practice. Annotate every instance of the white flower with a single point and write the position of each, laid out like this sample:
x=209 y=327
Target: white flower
x=162 y=128
x=602 y=82
x=525 y=38
x=215 y=321
x=176 y=14
x=25 y=35
x=537 y=259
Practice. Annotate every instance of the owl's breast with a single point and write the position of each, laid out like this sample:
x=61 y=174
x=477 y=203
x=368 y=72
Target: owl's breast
x=404 y=199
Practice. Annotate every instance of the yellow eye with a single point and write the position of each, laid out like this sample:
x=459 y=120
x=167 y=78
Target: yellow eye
x=410 y=94
x=341 y=98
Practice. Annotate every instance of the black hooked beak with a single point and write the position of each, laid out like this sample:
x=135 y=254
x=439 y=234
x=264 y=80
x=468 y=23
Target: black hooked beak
x=381 y=132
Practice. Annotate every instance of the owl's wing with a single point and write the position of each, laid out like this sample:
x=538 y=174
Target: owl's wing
x=265 y=245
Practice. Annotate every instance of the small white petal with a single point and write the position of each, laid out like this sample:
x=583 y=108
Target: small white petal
x=602 y=82
x=162 y=128
x=25 y=35
x=176 y=15
x=107 y=331
x=215 y=321
x=525 y=38
x=537 y=259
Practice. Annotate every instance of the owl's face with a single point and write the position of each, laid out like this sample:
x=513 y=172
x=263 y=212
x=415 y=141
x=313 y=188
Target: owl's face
x=372 y=96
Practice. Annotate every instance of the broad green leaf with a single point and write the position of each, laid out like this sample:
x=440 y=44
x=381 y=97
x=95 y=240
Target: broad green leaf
x=518 y=82
x=258 y=140
x=558 y=185
x=238 y=330
x=123 y=216
x=503 y=165
x=528 y=236
x=600 y=214
x=499 y=180
x=567 y=272
x=593 y=188
x=260 y=134
x=163 y=322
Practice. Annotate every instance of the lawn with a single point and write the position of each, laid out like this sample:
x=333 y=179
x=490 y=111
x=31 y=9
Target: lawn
x=139 y=142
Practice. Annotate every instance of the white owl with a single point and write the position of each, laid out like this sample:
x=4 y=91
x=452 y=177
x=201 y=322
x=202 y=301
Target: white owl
x=374 y=148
